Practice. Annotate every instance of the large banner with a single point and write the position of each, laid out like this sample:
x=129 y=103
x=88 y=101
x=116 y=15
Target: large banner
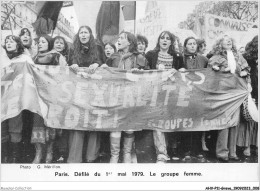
x=113 y=99
x=216 y=26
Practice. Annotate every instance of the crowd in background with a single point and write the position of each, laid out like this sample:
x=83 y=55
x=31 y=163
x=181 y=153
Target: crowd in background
x=18 y=134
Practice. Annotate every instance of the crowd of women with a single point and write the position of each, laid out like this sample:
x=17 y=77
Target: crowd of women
x=76 y=146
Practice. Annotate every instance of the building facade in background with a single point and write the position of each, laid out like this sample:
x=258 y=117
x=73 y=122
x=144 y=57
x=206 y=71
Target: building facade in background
x=20 y=14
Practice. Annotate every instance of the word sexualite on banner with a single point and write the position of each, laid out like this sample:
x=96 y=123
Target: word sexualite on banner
x=113 y=99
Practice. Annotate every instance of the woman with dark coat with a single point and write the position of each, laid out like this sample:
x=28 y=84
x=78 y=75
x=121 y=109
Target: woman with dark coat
x=41 y=134
x=191 y=141
x=14 y=50
x=248 y=131
x=127 y=58
x=164 y=56
x=86 y=54
x=61 y=142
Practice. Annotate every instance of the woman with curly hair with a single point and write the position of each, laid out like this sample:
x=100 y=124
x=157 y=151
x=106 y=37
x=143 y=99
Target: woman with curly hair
x=248 y=131
x=15 y=52
x=126 y=58
x=27 y=41
x=61 y=143
x=226 y=59
x=86 y=54
x=162 y=57
x=142 y=43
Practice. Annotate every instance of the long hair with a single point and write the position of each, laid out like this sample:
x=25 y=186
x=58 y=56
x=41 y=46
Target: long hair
x=251 y=50
x=218 y=46
x=19 y=46
x=132 y=40
x=22 y=32
x=172 y=38
x=91 y=45
x=65 y=51
x=49 y=40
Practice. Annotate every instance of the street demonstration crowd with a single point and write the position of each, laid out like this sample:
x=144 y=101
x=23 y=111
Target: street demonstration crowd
x=74 y=146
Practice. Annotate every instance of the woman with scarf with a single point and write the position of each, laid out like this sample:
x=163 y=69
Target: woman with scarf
x=248 y=131
x=164 y=56
x=61 y=46
x=191 y=141
x=86 y=54
x=227 y=59
x=46 y=56
x=126 y=58
x=15 y=52
x=61 y=143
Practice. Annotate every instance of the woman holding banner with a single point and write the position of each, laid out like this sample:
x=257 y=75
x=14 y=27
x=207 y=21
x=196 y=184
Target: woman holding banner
x=226 y=59
x=61 y=143
x=162 y=57
x=15 y=52
x=248 y=131
x=41 y=134
x=86 y=54
x=191 y=141
x=126 y=58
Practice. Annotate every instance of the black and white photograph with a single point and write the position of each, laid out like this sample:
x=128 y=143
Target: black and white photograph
x=163 y=93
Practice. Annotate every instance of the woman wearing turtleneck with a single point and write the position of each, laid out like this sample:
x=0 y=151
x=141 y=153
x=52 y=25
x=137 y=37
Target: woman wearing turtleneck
x=191 y=141
x=164 y=56
x=226 y=59
x=15 y=54
x=45 y=56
